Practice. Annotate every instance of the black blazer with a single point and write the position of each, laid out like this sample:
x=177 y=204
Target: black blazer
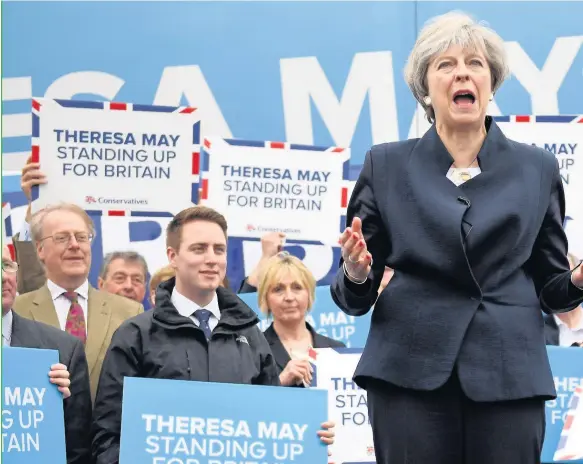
x=473 y=266
x=280 y=353
x=551 y=330
x=31 y=334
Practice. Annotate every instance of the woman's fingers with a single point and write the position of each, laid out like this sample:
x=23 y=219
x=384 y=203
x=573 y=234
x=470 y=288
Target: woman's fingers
x=345 y=236
x=349 y=246
x=358 y=252
x=357 y=226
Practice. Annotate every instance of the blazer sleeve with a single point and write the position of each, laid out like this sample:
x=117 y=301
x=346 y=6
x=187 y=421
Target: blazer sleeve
x=355 y=299
x=121 y=360
x=31 y=273
x=77 y=408
x=548 y=264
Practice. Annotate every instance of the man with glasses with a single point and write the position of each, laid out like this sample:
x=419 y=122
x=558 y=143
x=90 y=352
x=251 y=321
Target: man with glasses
x=123 y=272
x=62 y=235
x=70 y=375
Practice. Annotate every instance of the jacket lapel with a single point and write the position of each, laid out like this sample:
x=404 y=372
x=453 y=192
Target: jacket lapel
x=279 y=352
x=23 y=333
x=43 y=308
x=99 y=315
x=448 y=211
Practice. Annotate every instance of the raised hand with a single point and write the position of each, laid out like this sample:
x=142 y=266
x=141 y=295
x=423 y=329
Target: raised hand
x=355 y=254
x=31 y=176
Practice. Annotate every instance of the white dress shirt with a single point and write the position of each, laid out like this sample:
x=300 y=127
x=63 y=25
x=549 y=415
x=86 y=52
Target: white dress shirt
x=186 y=308
x=62 y=303
x=568 y=336
x=7 y=328
x=473 y=171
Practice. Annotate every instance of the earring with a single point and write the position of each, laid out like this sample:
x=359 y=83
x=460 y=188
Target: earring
x=427 y=100
x=491 y=97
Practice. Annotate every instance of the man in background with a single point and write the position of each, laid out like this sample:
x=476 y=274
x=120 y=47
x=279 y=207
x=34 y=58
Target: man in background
x=71 y=375
x=202 y=331
x=124 y=273
x=63 y=235
x=116 y=265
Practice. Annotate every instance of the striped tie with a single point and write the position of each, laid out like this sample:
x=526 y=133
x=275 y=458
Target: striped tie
x=75 y=324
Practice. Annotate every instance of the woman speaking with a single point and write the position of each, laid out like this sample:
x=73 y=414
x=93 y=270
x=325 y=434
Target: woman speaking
x=455 y=364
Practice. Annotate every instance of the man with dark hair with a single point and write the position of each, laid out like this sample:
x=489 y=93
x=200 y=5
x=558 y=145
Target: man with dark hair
x=124 y=273
x=173 y=341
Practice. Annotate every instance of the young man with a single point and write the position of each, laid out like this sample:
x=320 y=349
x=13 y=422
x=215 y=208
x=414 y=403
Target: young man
x=70 y=375
x=197 y=330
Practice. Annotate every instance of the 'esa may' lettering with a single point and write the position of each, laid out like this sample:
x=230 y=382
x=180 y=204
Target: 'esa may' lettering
x=27 y=396
x=254 y=172
x=114 y=138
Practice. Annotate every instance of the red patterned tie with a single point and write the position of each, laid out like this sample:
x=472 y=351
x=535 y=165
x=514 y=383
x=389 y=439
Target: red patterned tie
x=75 y=324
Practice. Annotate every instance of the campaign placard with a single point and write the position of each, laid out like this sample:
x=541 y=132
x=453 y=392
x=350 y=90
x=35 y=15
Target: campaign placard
x=563 y=137
x=562 y=444
x=334 y=369
x=347 y=403
x=142 y=160
x=7 y=228
x=325 y=317
x=276 y=187
x=183 y=422
x=33 y=429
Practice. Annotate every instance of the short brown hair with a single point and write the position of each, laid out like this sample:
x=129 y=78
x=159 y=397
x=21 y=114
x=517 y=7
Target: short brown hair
x=38 y=219
x=195 y=213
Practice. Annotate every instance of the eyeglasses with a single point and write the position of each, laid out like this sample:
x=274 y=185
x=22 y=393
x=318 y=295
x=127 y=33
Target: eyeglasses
x=283 y=254
x=9 y=267
x=63 y=238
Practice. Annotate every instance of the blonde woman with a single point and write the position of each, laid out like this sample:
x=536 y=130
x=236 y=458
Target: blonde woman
x=286 y=293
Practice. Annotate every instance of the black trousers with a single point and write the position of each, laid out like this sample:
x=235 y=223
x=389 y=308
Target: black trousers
x=445 y=427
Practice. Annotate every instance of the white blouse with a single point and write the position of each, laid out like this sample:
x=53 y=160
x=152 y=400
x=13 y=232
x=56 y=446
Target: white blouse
x=460 y=175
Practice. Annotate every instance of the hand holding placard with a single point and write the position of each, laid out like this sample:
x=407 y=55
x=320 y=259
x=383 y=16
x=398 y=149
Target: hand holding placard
x=33 y=429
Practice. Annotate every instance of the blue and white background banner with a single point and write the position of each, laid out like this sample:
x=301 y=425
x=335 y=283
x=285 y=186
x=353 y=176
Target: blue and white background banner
x=337 y=83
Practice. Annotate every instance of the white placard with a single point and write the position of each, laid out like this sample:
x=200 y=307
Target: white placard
x=116 y=158
x=266 y=186
x=571 y=442
x=347 y=405
x=564 y=138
